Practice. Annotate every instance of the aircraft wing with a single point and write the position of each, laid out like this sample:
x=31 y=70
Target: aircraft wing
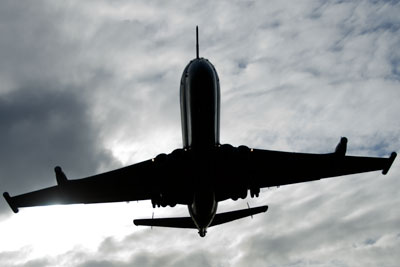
x=140 y=181
x=290 y=168
x=265 y=168
x=168 y=179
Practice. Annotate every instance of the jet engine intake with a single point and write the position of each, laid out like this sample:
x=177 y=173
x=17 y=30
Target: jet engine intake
x=254 y=192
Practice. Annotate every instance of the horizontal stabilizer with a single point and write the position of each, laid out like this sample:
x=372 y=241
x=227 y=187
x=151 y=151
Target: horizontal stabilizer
x=187 y=222
x=178 y=222
x=237 y=214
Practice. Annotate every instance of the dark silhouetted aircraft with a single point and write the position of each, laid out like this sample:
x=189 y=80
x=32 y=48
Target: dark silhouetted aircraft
x=203 y=172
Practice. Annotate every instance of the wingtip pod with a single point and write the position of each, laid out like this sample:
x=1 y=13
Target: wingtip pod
x=260 y=209
x=137 y=222
x=10 y=202
x=389 y=164
x=265 y=208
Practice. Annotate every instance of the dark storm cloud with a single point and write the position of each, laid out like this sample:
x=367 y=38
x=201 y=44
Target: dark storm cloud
x=42 y=126
x=33 y=46
x=45 y=99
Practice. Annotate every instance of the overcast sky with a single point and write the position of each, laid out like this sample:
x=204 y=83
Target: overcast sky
x=93 y=86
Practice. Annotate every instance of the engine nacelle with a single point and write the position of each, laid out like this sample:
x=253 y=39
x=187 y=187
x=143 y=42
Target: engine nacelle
x=226 y=149
x=254 y=192
x=162 y=200
x=177 y=153
x=160 y=158
x=243 y=149
x=240 y=193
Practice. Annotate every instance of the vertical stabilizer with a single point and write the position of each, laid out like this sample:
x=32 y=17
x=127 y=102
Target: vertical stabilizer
x=197 y=41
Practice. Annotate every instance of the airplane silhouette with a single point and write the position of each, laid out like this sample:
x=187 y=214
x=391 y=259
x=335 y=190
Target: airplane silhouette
x=203 y=172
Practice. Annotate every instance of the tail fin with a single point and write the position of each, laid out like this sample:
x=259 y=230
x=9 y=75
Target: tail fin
x=197 y=41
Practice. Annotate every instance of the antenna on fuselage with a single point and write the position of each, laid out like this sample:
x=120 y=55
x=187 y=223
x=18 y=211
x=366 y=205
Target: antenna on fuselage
x=197 y=41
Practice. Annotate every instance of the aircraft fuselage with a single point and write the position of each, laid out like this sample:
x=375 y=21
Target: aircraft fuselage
x=200 y=105
x=200 y=114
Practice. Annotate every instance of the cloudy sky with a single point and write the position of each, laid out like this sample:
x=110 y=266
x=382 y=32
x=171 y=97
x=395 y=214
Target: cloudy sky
x=93 y=86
